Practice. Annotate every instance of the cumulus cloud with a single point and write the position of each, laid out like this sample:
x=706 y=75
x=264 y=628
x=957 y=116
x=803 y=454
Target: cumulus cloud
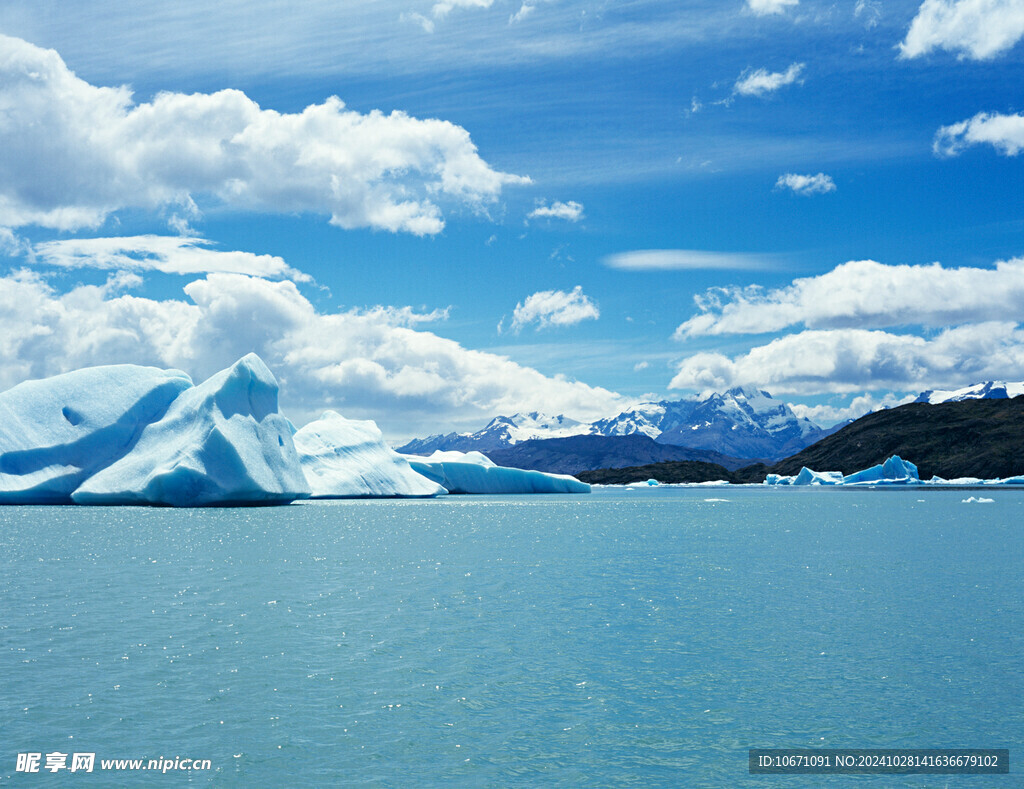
x=865 y=294
x=74 y=153
x=762 y=81
x=827 y=414
x=169 y=254
x=764 y=7
x=570 y=211
x=806 y=184
x=370 y=364
x=669 y=259
x=549 y=308
x=851 y=360
x=978 y=29
x=1005 y=133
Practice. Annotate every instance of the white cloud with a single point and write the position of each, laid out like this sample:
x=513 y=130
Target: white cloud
x=826 y=415
x=570 y=211
x=424 y=22
x=763 y=7
x=1003 y=132
x=762 y=82
x=169 y=254
x=11 y=244
x=524 y=11
x=978 y=29
x=442 y=9
x=549 y=308
x=641 y=366
x=669 y=259
x=866 y=294
x=870 y=10
x=851 y=360
x=365 y=363
x=74 y=153
x=806 y=184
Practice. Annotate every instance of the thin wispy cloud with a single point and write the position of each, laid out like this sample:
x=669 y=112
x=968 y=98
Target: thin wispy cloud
x=524 y=11
x=806 y=184
x=869 y=11
x=683 y=259
x=973 y=29
x=169 y=254
x=761 y=82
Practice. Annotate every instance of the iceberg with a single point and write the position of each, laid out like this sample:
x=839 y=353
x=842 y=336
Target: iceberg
x=57 y=432
x=472 y=472
x=344 y=458
x=220 y=443
x=894 y=471
x=806 y=477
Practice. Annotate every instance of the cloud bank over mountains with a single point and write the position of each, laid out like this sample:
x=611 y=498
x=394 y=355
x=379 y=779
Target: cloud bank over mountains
x=966 y=321
x=364 y=362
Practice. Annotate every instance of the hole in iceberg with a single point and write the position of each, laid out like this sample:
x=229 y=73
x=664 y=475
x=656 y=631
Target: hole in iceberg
x=71 y=415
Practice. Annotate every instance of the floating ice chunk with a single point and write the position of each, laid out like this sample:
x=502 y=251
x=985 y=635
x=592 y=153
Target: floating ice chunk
x=220 y=443
x=976 y=500
x=778 y=479
x=894 y=471
x=56 y=432
x=808 y=477
x=472 y=472
x=347 y=458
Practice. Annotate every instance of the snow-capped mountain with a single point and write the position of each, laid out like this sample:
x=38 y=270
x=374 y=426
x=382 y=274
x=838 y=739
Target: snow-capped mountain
x=986 y=390
x=742 y=423
x=501 y=432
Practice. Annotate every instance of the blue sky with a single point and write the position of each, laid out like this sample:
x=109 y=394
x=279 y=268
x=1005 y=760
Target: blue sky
x=833 y=191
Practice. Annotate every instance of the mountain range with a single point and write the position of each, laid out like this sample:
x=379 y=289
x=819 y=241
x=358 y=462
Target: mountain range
x=739 y=423
x=978 y=437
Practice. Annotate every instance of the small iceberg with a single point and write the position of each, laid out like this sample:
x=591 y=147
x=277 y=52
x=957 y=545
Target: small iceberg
x=472 y=472
x=976 y=500
x=344 y=458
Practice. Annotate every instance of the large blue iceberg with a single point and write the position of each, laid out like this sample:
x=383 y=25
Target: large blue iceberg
x=220 y=443
x=125 y=434
x=57 y=432
x=349 y=458
x=472 y=472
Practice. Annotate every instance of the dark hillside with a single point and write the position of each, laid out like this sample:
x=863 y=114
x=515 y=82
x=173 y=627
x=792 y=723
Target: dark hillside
x=972 y=438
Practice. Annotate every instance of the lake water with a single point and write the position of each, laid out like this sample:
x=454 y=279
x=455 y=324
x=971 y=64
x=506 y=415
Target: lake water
x=626 y=638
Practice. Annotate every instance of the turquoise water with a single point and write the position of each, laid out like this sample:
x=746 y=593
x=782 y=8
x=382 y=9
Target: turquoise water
x=627 y=638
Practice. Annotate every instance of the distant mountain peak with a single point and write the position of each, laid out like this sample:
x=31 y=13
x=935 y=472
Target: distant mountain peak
x=985 y=390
